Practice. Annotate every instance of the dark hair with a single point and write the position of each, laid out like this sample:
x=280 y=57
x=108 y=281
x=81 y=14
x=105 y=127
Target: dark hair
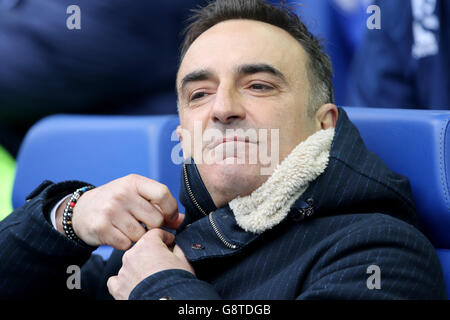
x=319 y=68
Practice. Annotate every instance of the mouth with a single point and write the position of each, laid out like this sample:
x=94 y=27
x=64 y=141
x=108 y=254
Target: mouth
x=231 y=139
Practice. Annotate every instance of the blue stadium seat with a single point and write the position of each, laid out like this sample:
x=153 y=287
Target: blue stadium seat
x=98 y=149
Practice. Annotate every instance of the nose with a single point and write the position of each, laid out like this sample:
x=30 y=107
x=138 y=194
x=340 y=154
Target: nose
x=227 y=106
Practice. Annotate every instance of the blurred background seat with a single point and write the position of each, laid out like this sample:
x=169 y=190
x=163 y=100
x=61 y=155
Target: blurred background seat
x=98 y=149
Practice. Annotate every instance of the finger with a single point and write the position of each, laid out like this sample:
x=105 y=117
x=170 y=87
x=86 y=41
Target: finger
x=168 y=222
x=116 y=239
x=146 y=212
x=129 y=226
x=160 y=195
x=162 y=236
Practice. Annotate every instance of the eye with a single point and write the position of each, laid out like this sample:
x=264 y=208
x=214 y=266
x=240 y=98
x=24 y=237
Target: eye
x=198 y=95
x=260 y=87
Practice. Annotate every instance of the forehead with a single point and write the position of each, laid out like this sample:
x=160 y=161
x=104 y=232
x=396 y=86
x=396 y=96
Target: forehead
x=235 y=42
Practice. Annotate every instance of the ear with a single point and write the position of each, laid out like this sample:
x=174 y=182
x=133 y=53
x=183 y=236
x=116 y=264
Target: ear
x=183 y=133
x=326 y=117
x=179 y=131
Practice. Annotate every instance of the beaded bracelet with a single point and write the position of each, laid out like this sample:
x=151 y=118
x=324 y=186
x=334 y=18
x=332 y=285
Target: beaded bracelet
x=68 y=212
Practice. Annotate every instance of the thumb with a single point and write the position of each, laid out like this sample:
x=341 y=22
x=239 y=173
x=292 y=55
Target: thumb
x=174 y=224
x=156 y=236
x=178 y=252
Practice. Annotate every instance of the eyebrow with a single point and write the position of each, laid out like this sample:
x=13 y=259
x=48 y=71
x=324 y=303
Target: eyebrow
x=248 y=69
x=198 y=75
x=245 y=69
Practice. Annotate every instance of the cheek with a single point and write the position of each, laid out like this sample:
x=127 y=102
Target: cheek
x=294 y=127
x=191 y=134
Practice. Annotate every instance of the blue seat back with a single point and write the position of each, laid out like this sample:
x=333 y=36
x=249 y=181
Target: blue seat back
x=416 y=144
x=97 y=149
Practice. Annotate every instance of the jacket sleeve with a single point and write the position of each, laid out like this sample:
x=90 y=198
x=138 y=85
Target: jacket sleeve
x=385 y=259
x=36 y=260
x=173 y=284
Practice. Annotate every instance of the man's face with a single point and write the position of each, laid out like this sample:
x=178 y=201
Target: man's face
x=242 y=74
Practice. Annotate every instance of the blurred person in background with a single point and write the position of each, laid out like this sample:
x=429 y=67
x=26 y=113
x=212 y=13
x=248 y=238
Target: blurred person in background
x=122 y=57
x=339 y=25
x=406 y=63
x=122 y=61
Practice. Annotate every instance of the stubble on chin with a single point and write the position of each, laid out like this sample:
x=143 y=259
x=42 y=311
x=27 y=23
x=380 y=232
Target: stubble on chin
x=228 y=181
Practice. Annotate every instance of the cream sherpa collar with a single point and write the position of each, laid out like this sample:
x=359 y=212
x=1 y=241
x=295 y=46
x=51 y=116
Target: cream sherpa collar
x=268 y=205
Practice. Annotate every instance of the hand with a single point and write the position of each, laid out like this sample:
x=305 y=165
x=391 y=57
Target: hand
x=112 y=213
x=151 y=254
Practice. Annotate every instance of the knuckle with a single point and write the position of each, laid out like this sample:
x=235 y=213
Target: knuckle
x=162 y=192
x=101 y=227
x=119 y=196
x=108 y=210
x=132 y=178
x=112 y=284
x=126 y=258
x=131 y=229
x=165 y=190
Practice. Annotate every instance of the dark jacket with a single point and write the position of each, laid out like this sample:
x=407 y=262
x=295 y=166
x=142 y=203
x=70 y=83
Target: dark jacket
x=355 y=215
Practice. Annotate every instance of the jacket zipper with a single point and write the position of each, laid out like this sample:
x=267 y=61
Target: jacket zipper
x=191 y=194
x=211 y=220
x=219 y=235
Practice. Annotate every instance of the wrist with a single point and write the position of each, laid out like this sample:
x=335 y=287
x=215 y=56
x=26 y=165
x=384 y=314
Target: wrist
x=59 y=215
x=68 y=213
